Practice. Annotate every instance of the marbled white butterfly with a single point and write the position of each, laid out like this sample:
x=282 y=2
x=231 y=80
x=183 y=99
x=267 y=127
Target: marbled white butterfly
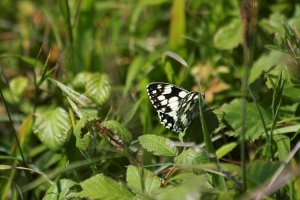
x=176 y=107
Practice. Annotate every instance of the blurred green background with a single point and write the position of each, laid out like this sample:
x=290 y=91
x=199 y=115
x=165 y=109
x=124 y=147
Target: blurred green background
x=110 y=50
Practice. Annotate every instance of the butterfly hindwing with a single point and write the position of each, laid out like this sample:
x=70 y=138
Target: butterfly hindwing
x=176 y=107
x=188 y=110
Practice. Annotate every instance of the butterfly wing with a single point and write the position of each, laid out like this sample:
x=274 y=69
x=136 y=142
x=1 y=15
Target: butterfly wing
x=188 y=110
x=166 y=99
x=175 y=106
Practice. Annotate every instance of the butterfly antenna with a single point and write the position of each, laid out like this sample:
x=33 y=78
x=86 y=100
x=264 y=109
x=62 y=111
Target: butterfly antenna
x=212 y=84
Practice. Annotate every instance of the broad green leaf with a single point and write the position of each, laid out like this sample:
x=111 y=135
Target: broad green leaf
x=17 y=100
x=177 y=25
x=81 y=79
x=225 y=149
x=190 y=157
x=158 y=145
x=98 y=88
x=83 y=134
x=142 y=180
x=229 y=36
x=265 y=63
x=18 y=85
x=192 y=187
x=283 y=146
x=120 y=131
x=272 y=24
x=52 y=126
x=103 y=187
x=292 y=92
x=61 y=190
x=260 y=171
x=254 y=125
x=72 y=94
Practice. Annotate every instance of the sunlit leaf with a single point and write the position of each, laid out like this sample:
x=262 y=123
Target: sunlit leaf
x=192 y=187
x=225 y=149
x=158 y=145
x=283 y=145
x=83 y=134
x=120 y=131
x=72 y=94
x=18 y=85
x=103 y=187
x=61 y=190
x=98 y=88
x=191 y=157
x=253 y=122
x=52 y=126
x=228 y=36
x=142 y=180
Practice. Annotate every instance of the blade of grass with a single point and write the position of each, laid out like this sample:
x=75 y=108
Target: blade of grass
x=218 y=180
x=276 y=103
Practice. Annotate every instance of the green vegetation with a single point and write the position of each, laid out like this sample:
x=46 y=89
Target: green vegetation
x=76 y=121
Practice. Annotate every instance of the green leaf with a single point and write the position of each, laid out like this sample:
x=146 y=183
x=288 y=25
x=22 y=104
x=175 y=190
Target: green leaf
x=18 y=85
x=137 y=178
x=283 y=146
x=272 y=24
x=98 y=88
x=81 y=79
x=287 y=129
x=265 y=63
x=225 y=149
x=158 y=145
x=229 y=36
x=192 y=187
x=72 y=94
x=83 y=134
x=254 y=125
x=52 y=127
x=102 y=187
x=292 y=92
x=190 y=157
x=120 y=131
x=260 y=171
x=61 y=190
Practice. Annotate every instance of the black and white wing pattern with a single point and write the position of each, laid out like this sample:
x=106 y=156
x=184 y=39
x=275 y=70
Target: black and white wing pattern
x=176 y=107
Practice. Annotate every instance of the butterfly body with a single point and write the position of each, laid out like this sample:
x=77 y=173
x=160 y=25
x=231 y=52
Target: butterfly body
x=176 y=107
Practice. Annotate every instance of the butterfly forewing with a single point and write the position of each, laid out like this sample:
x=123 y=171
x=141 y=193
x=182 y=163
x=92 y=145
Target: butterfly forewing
x=175 y=106
x=166 y=99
